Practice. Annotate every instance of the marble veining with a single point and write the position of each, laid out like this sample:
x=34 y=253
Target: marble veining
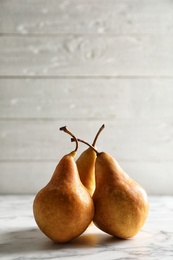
x=21 y=239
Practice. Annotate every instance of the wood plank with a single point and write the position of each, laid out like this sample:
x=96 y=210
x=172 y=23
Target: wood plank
x=113 y=16
x=127 y=140
x=69 y=55
x=24 y=177
x=82 y=99
x=30 y=177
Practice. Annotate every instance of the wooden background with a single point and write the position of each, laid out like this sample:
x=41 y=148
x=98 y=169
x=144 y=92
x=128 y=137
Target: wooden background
x=83 y=63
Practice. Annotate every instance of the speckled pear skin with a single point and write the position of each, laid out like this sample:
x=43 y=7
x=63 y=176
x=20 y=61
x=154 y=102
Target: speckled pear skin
x=86 y=167
x=121 y=204
x=63 y=209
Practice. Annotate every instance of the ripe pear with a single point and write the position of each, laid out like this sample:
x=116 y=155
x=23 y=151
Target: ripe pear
x=86 y=165
x=63 y=209
x=121 y=204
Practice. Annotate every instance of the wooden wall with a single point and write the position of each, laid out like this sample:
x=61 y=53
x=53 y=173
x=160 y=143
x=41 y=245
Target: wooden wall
x=83 y=63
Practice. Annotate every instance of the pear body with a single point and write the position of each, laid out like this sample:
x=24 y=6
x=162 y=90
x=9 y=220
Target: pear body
x=121 y=204
x=63 y=209
x=86 y=167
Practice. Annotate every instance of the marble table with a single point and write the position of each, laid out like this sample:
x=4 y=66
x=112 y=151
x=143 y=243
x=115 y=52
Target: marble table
x=20 y=238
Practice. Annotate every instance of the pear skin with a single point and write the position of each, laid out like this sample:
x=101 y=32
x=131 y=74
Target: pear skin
x=121 y=204
x=63 y=209
x=86 y=165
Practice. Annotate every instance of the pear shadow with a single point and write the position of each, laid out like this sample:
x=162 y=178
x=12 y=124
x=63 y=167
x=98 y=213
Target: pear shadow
x=33 y=240
x=25 y=240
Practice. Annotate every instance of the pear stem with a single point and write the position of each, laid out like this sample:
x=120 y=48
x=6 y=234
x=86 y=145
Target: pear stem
x=82 y=141
x=96 y=137
x=64 y=128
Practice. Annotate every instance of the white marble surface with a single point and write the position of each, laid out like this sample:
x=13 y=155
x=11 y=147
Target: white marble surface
x=21 y=239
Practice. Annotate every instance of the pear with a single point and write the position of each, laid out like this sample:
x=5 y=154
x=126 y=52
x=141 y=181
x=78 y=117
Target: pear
x=121 y=204
x=86 y=165
x=63 y=209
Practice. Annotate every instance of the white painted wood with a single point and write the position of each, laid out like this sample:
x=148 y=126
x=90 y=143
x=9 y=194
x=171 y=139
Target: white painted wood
x=24 y=177
x=156 y=178
x=112 y=16
x=70 y=55
x=81 y=64
x=128 y=140
x=30 y=177
x=86 y=99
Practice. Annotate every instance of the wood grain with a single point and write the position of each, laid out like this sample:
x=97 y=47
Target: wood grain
x=128 y=55
x=81 y=64
x=128 y=140
x=30 y=177
x=87 y=99
x=113 y=16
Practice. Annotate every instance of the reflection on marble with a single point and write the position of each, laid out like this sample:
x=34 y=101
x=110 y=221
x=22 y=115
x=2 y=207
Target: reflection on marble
x=21 y=239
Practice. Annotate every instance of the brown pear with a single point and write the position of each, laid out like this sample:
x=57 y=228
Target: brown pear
x=86 y=165
x=63 y=209
x=121 y=204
